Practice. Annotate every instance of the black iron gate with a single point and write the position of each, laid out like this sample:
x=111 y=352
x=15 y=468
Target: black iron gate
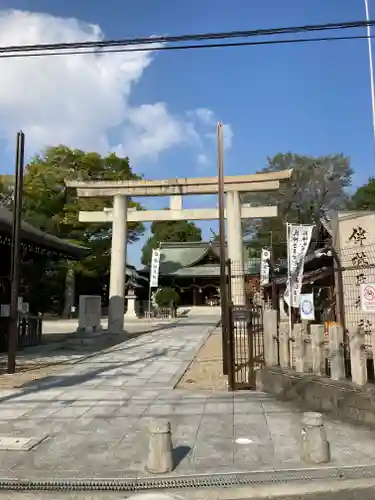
x=247 y=346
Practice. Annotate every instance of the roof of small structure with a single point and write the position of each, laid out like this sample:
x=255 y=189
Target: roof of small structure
x=31 y=234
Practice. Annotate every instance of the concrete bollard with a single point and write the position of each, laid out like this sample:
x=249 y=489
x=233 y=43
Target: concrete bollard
x=160 y=459
x=315 y=447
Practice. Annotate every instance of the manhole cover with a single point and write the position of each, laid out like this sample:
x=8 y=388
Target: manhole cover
x=8 y=443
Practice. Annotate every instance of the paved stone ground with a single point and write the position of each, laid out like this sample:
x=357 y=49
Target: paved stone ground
x=63 y=345
x=95 y=414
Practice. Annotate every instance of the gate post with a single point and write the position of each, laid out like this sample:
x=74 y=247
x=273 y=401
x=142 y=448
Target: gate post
x=270 y=337
x=317 y=346
x=284 y=346
x=336 y=354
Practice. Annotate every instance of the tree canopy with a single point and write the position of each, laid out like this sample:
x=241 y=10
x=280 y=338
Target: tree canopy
x=49 y=205
x=318 y=184
x=364 y=197
x=172 y=231
x=53 y=208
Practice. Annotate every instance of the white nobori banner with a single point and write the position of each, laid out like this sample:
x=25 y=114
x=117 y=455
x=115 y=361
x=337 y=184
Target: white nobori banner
x=154 y=273
x=265 y=267
x=298 y=241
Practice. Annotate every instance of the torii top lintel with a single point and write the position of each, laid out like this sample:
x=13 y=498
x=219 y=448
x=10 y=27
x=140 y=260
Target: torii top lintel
x=269 y=181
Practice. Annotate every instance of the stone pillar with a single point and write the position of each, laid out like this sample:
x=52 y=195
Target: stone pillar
x=317 y=347
x=118 y=264
x=270 y=336
x=306 y=332
x=336 y=352
x=235 y=247
x=90 y=312
x=358 y=360
x=284 y=347
x=315 y=447
x=299 y=347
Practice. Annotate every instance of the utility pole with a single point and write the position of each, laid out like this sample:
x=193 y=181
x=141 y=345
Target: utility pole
x=372 y=86
x=223 y=277
x=16 y=253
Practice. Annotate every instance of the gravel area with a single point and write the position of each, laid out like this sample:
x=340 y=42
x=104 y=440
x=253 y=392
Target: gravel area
x=206 y=370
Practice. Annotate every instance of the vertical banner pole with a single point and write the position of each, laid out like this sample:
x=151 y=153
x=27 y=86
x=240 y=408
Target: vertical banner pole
x=289 y=279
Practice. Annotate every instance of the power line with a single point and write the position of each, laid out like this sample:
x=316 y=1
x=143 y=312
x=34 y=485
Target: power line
x=183 y=47
x=184 y=38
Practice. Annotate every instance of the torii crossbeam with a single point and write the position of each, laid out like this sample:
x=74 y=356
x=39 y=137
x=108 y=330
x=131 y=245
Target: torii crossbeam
x=120 y=215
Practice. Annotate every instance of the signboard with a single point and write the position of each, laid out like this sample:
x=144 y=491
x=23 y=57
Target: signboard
x=243 y=315
x=367 y=292
x=154 y=273
x=299 y=238
x=306 y=306
x=265 y=267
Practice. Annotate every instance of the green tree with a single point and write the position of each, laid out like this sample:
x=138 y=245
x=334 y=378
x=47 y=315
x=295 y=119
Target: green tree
x=364 y=197
x=166 y=296
x=169 y=231
x=49 y=205
x=318 y=184
x=6 y=190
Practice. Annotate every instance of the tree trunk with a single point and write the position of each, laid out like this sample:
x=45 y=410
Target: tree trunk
x=69 y=291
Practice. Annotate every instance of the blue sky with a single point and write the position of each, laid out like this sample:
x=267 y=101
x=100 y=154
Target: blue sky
x=310 y=99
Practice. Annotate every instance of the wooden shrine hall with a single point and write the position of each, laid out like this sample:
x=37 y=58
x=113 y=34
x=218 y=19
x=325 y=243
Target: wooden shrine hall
x=38 y=249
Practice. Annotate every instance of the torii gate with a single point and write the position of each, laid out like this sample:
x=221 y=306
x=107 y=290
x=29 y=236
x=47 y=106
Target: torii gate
x=120 y=215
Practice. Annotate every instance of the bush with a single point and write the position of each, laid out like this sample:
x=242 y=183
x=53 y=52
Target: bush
x=166 y=296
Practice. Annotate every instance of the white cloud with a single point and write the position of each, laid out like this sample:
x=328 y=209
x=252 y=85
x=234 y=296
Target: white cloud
x=79 y=100
x=206 y=116
x=151 y=129
x=203 y=159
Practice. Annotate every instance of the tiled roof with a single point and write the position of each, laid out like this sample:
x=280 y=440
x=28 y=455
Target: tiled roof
x=30 y=233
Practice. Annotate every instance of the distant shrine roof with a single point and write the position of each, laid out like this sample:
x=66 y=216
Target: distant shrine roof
x=193 y=259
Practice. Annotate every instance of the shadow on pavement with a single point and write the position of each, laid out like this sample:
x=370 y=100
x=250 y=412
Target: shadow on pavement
x=179 y=453
x=51 y=382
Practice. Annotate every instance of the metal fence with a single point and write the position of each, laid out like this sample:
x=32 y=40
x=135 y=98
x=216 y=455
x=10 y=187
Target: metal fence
x=245 y=325
x=29 y=331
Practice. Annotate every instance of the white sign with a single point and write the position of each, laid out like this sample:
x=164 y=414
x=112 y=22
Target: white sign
x=306 y=307
x=5 y=310
x=154 y=273
x=25 y=307
x=265 y=267
x=19 y=304
x=367 y=292
x=299 y=238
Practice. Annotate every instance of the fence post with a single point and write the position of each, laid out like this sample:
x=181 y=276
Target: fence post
x=358 y=361
x=284 y=344
x=306 y=332
x=335 y=335
x=317 y=347
x=270 y=336
x=299 y=347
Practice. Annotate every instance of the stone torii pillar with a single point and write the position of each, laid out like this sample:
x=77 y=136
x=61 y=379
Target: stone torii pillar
x=118 y=264
x=235 y=247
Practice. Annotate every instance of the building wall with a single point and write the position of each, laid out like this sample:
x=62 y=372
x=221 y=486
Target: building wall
x=354 y=240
